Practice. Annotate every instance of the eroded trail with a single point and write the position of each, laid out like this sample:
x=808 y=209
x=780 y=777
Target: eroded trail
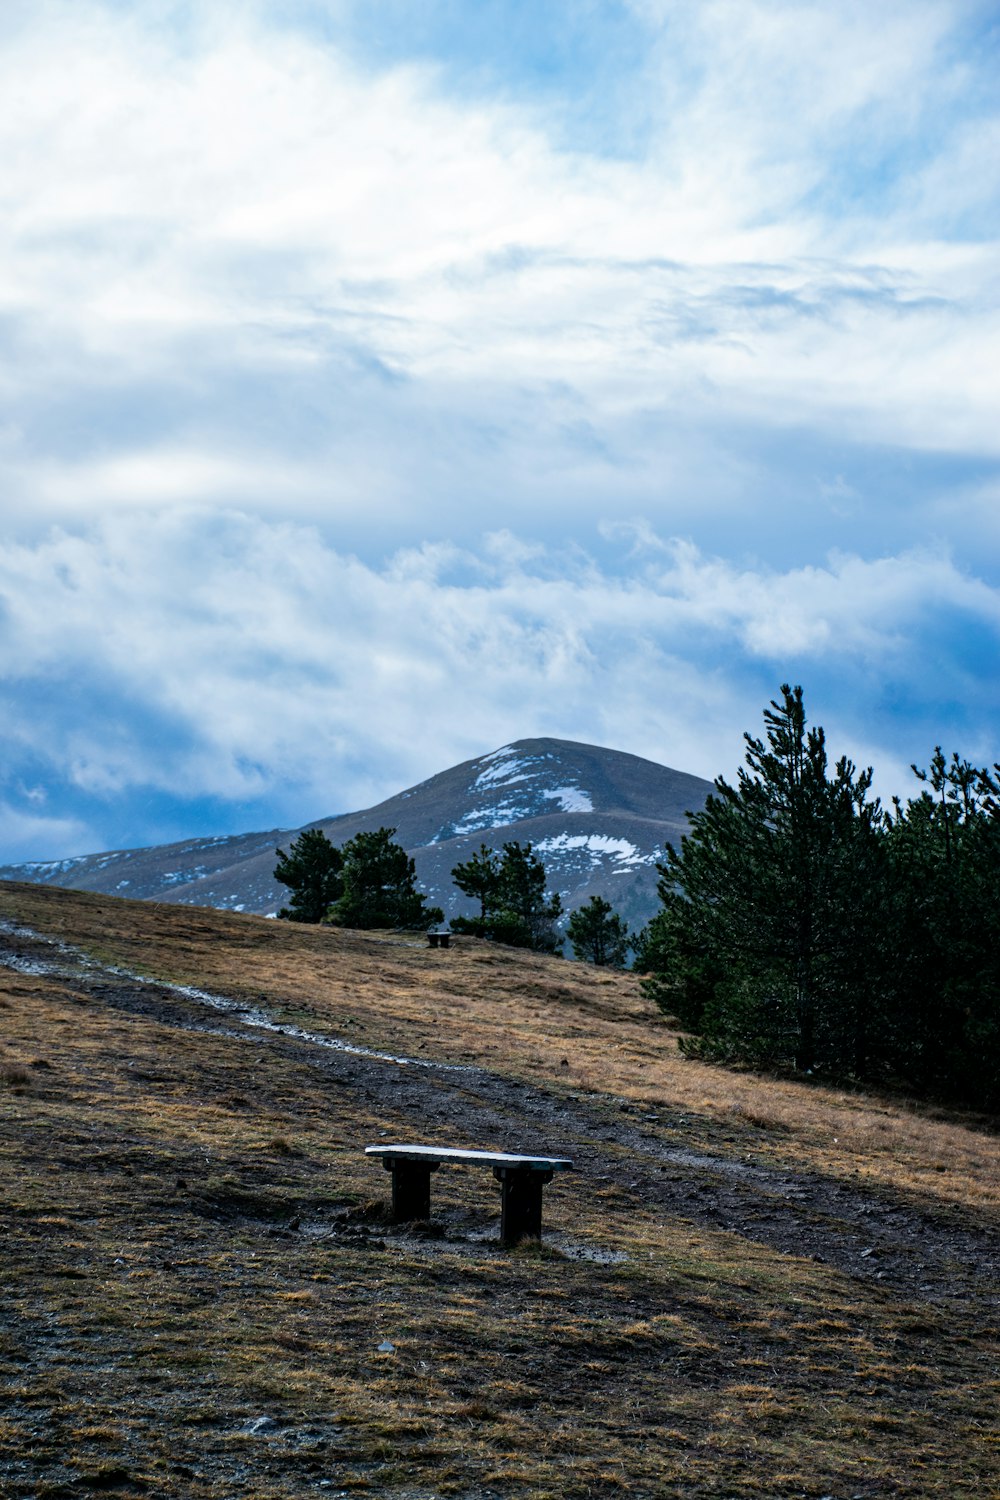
x=911 y=1248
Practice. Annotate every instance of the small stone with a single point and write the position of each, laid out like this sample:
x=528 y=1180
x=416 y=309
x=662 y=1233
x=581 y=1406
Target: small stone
x=386 y=1347
x=254 y=1425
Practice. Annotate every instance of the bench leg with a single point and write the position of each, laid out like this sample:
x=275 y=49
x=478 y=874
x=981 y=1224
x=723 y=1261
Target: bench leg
x=411 y=1189
x=520 y=1204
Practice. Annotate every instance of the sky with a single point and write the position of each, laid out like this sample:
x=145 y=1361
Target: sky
x=382 y=381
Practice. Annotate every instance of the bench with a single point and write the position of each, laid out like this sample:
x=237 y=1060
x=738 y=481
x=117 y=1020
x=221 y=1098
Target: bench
x=438 y=937
x=521 y=1180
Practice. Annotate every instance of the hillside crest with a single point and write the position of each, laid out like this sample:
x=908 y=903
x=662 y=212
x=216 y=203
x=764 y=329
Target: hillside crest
x=599 y=818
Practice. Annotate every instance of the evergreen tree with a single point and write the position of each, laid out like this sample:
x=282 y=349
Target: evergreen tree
x=528 y=913
x=945 y=859
x=801 y=924
x=680 y=976
x=514 y=905
x=768 y=904
x=312 y=871
x=598 y=934
x=379 y=886
x=479 y=878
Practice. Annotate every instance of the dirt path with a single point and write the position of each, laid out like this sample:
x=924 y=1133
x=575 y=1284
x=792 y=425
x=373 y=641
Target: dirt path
x=913 y=1250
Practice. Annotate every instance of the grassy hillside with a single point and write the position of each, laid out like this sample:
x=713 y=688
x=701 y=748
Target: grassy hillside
x=749 y=1288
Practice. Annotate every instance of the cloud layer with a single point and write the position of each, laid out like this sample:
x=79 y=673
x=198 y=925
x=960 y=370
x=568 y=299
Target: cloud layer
x=240 y=268
x=208 y=662
x=362 y=364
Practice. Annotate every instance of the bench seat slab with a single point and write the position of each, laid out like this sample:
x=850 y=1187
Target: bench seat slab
x=442 y=1154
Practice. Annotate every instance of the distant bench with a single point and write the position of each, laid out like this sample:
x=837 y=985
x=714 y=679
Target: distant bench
x=521 y=1181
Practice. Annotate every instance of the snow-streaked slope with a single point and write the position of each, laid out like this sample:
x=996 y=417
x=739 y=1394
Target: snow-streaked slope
x=598 y=818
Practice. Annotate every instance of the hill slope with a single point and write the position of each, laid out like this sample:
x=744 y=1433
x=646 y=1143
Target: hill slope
x=599 y=818
x=748 y=1288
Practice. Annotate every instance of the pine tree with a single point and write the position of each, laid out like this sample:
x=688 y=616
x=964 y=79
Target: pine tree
x=770 y=902
x=379 y=886
x=945 y=857
x=680 y=975
x=479 y=878
x=515 y=907
x=598 y=935
x=312 y=871
x=526 y=913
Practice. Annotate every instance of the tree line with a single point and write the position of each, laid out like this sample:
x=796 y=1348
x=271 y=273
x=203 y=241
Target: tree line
x=803 y=924
x=371 y=882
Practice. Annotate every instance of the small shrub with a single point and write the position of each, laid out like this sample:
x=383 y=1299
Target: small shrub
x=14 y=1076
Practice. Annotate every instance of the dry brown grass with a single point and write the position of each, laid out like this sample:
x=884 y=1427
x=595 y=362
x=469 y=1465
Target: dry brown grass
x=159 y=1301
x=14 y=1076
x=537 y=1018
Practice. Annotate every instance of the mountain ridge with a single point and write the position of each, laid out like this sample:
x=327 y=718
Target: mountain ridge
x=599 y=818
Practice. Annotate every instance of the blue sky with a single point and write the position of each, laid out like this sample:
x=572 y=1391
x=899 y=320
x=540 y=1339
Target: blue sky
x=383 y=381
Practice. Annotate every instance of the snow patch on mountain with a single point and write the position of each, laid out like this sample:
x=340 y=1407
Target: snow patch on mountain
x=488 y=817
x=181 y=877
x=507 y=767
x=598 y=847
x=503 y=768
x=570 y=798
x=43 y=867
x=480 y=819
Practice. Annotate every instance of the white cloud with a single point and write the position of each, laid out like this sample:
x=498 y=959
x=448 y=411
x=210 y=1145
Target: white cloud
x=302 y=330
x=23 y=835
x=240 y=269
x=288 y=671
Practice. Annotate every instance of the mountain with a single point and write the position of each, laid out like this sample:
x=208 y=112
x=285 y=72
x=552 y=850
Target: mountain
x=598 y=818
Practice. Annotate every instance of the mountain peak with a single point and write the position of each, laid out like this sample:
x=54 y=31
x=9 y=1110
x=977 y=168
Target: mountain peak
x=598 y=818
